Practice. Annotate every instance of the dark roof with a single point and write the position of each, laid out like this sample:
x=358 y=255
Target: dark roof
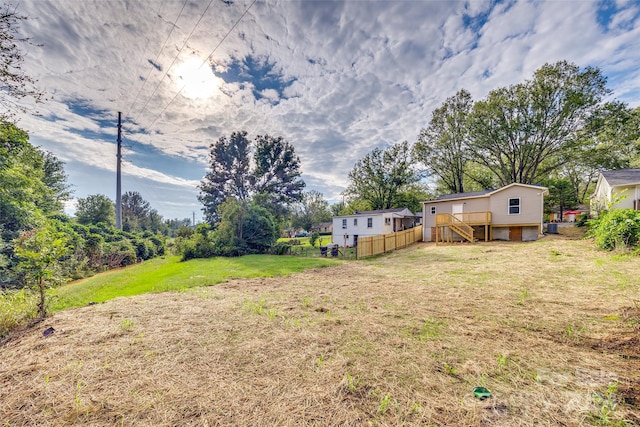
x=380 y=211
x=322 y=224
x=464 y=195
x=622 y=176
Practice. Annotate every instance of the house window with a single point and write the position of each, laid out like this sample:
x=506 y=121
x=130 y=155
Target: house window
x=369 y=222
x=387 y=221
x=514 y=206
x=355 y=221
x=433 y=210
x=344 y=223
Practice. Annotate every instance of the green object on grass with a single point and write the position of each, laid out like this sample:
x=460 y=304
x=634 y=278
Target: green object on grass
x=481 y=393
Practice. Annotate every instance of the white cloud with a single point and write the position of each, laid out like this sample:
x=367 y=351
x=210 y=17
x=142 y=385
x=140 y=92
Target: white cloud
x=366 y=74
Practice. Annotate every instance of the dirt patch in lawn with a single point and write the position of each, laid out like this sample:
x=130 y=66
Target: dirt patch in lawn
x=397 y=340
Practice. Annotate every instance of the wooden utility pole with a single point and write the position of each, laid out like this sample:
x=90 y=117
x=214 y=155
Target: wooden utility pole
x=118 y=178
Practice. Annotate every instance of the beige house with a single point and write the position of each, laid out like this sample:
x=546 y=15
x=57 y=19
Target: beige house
x=513 y=212
x=616 y=189
x=322 y=227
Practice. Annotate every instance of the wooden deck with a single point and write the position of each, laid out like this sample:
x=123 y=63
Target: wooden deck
x=462 y=224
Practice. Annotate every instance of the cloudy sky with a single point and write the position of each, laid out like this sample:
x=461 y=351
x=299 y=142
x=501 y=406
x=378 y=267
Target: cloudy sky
x=334 y=78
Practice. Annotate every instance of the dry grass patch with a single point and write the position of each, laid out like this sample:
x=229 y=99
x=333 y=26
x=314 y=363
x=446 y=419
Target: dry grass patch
x=549 y=327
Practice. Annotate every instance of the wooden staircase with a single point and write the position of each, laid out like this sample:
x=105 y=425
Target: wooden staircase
x=461 y=227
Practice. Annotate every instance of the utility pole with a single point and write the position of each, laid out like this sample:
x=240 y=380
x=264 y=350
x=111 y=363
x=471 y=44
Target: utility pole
x=194 y=219
x=118 y=178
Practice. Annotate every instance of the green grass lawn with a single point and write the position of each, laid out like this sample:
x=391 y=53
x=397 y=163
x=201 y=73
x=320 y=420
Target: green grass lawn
x=169 y=274
x=304 y=241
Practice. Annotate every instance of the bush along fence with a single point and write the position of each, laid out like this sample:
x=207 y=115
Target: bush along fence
x=375 y=245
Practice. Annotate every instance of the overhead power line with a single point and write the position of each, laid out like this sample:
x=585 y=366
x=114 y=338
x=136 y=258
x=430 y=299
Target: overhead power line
x=203 y=62
x=144 y=55
x=174 y=60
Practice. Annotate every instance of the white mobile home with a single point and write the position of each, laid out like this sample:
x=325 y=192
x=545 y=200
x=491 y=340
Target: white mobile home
x=348 y=228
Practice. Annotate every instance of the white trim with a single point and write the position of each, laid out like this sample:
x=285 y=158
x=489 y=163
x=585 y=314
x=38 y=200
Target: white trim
x=509 y=206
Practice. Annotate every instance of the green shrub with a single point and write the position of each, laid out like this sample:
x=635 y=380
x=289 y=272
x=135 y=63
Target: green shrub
x=198 y=246
x=314 y=238
x=583 y=220
x=616 y=229
x=281 y=248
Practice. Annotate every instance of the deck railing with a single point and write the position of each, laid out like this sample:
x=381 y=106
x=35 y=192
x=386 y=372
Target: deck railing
x=470 y=218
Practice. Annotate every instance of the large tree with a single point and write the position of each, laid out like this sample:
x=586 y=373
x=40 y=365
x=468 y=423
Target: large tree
x=267 y=170
x=561 y=195
x=276 y=176
x=135 y=211
x=313 y=209
x=442 y=146
x=525 y=132
x=381 y=175
x=15 y=85
x=32 y=182
x=96 y=208
x=55 y=179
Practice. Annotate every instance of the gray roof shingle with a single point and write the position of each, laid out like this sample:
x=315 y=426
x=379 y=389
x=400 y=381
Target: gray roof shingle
x=464 y=195
x=622 y=176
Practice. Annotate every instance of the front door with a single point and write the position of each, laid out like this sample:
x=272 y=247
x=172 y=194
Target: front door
x=515 y=234
x=457 y=209
x=355 y=240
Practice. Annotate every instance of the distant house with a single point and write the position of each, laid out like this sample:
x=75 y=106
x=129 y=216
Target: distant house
x=513 y=212
x=567 y=216
x=348 y=228
x=323 y=227
x=571 y=216
x=616 y=189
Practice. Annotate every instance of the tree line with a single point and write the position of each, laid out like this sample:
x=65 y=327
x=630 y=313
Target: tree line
x=557 y=129
x=33 y=190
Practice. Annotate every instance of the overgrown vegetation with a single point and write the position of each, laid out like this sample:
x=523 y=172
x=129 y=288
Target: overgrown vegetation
x=244 y=228
x=616 y=229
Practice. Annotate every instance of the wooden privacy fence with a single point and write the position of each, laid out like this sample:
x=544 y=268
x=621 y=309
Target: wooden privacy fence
x=375 y=245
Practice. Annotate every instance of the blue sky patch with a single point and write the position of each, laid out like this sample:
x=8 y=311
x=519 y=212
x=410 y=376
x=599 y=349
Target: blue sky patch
x=147 y=156
x=83 y=108
x=475 y=23
x=154 y=65
x=259 y=73
x=606 y=11
x=107 y=121
x=96 y=136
